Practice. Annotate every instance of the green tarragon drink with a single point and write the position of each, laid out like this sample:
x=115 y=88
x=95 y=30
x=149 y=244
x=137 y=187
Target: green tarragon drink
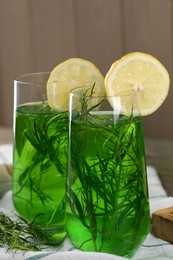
x=107 y=188
x=39 y=174
x=107 y=193
x=40 y=144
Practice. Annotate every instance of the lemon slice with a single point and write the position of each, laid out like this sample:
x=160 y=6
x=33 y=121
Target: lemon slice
x=72 y=73
x=141 y=76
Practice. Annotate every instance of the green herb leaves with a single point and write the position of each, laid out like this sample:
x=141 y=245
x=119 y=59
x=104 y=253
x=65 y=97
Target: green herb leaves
x=18 y=235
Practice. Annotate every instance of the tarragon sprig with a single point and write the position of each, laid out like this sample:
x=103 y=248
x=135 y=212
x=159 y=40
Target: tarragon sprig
x=19 y=235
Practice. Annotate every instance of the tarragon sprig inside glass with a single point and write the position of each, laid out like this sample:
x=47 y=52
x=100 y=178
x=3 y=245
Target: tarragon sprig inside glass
x=40 y=160
x=107 y=195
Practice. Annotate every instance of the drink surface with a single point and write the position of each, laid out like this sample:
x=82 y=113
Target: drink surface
x=39 y=171
x=108 y=208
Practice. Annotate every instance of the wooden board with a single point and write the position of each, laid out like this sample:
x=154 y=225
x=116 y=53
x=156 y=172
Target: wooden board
x=162 y=224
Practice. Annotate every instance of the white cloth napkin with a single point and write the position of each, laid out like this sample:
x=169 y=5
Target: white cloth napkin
x=153 y=248
x=6 y=151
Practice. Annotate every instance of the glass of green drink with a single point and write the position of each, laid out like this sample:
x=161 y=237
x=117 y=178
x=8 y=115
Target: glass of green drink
x=40 y=158
x=107 y=193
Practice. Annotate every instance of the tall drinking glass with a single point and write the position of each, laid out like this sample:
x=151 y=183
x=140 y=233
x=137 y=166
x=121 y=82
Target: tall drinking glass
x=40 y=158
x=107 y=194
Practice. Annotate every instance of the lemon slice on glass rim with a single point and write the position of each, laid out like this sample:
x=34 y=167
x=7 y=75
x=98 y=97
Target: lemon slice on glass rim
x=72 y=73
x=141 y=76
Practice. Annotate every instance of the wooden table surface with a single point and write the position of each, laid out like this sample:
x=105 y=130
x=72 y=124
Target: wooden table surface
x=159 y=153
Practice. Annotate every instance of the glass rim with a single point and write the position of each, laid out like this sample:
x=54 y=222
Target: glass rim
x=74 y=92
x=25 y=79
x=22 y=78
